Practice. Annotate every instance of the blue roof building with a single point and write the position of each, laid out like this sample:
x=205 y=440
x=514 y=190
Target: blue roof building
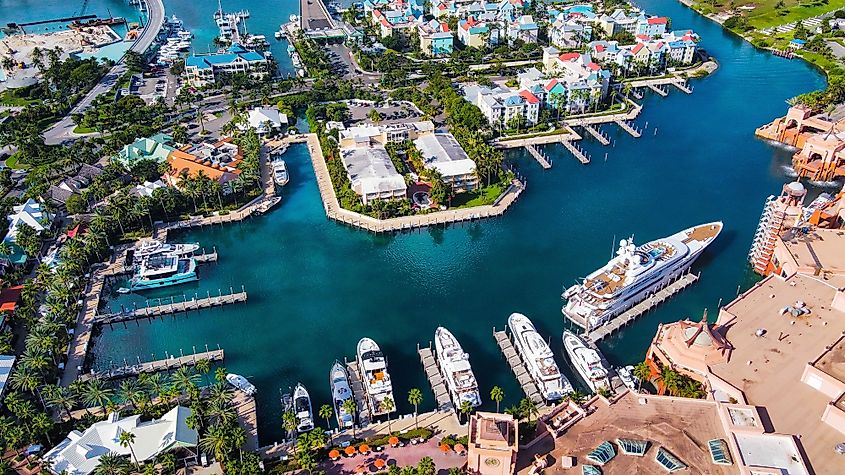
x=201 y=70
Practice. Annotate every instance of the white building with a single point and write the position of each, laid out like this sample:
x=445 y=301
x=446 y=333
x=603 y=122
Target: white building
x=371 y=172
x=148 y=187
x=202 y=70
x=80 y=452
x=6 y=364
x=264 y=120
x=31 y=213
x=501 y=104
x=442 y=152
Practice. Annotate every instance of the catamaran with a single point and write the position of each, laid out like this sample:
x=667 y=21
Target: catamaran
x=162 y=270
x=341 y=392
x=241 y=383
x=302 y=407
x=538 y=358
x=634 y=274
x=377 y=384
x=154 y=246
x=586 y=361
x=456 y=370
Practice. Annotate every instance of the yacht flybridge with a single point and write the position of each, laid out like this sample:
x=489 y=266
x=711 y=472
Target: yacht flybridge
x=456 y=370
x=538 y=358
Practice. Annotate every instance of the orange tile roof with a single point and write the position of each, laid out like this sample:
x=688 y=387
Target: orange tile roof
x=181 y=161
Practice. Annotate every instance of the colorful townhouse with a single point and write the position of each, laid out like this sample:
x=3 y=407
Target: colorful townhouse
x=676 y=48
x=524 y=29
x=477 y=34
x=205 y=69
x=571 y=81
x=636 y=24
x=571 y=27
x=443 y=9
x=501 y=104
x=396 y=15
x=435 y=38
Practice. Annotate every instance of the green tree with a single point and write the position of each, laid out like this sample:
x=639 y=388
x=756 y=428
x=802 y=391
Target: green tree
x=76 y=204
x=326 y=413
x=289 y=423
x=388 y=406
x=642 y=371
x=465 y=409
x=126 y=439
x=497 y=395
x=351 y=408
x=426 y=466
x=111 y=464
x=95 y=394
x=528 y=408
x=415 y=398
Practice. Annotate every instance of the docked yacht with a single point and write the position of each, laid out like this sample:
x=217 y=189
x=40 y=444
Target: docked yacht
x=626 y=374
x=341 y=392
x=455 y=368
x=280 y=172
x=302 y=408
x=152 y=247
x=373 y=368
x=538 y=358
x=241 y=383
x=586 y=361
x=163 y=270
x=634 y=274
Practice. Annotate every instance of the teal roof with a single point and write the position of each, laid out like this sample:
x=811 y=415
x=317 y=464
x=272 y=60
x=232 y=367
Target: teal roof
x=150 y=148
x=669 y=461
x=590 y=470
x=632 y=446
x=719 y=452
x=602 y=454
x=233 y=53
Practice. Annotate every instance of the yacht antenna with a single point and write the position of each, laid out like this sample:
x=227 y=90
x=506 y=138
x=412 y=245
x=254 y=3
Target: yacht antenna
x=612 y=246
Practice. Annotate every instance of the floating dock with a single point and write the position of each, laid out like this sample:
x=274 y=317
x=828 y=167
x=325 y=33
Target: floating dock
x=541 y=158
x=518 y=367
x=358 y=391
x=641 y=308
x=172 y=307
x=432 y=373
x=596 y=134
x=577 y=152
x=167 y=364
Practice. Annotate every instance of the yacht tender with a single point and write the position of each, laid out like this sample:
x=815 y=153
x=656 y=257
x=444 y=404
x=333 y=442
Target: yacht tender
x=456 y=370
x=538 y=358
x=373 y=368
x=586 y=361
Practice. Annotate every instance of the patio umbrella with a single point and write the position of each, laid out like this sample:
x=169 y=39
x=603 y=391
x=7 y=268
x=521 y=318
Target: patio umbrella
x=380 y=463
x=364 y=448
x=445 y=448
x=349 y=450
x=459 y=448
x=334 y=454
x=393 y=441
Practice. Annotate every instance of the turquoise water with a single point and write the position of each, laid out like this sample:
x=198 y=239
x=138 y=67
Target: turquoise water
x=316 y=287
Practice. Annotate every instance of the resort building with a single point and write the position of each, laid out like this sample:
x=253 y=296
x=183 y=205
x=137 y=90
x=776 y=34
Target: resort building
x=202 y=70
x=395 y=16
x=80 y=452
x=155 y=148
x=637 y=433
x=777 y=345
x=441 y=9
x=264 y=120
x=567 y=33
x=477 y=34
x=435 y=38
x=524 y=29
x=371 y=172
x=493 y=444
x=31 y=213
x=637 y=23
x=384 y=134
x=148 y=188
x=442 y=152
x=216 y=160
x=500 y=105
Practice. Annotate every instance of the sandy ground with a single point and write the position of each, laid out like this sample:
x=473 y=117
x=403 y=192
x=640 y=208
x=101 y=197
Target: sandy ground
x=20 y=47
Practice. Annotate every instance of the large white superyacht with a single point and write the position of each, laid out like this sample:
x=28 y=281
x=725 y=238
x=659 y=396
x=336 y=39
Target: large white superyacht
x=538 y=358
x=373 y=368
x=456 y=370
x=633 y=274
x=586 y=361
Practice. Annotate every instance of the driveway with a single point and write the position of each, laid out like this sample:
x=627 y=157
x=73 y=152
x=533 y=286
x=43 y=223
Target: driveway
x=837 y=49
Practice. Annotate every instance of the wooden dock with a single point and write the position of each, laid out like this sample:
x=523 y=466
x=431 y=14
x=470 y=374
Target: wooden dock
x=518 y=367
x=432 y=372
x=641 y=308
x=170 y=363
x=627 y=128
x=173 y=306
x=683 y=86
x=596 y=134
x=247 y=418
x=659 y=90
x=358 y=391
x=577 y=152
x=541 y=158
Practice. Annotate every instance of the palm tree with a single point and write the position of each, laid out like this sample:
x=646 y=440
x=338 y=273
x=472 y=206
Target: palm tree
x=239 y=440
x=130 y=391
x=126 y=439
x=388 y=406
x=415 y=398
x=326 y=413
x=668 y=379
x=184 y=378
x=60 y=397
x=528 y=408
x=466 y=408
x=642 y=371
x=289 y=423
x=111 y=464
x=204 y=366
x=351 y=408
x=42 y=424
x=220 y=374
x=95 y=394
x=216 y=441
x=497 y=394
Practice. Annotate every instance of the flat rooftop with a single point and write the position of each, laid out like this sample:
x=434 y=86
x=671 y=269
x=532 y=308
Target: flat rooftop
x=768 y=369
x=683 y=427
x=820 y=248
x=371 y=170
x=442 y=152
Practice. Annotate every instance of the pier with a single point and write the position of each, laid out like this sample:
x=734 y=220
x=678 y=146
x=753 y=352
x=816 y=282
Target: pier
x=659 y=90
x=247 y=418
x=541 y=157
x=173 y=306
x=627 y=128
x=577 y=152
x=598 y=135
x=518 y=368
x=358 y=391
x=641 y=308
x=432 y=373
x=167 y=364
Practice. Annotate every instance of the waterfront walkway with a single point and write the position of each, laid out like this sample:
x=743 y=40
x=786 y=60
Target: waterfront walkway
x=335 y=212
x=541 y=157
x=167 y=364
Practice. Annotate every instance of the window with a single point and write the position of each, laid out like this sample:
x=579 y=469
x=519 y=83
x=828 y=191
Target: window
x=602 y=454
x=632 y=446
x=719 y=452
x=668 y=461
x=590 y=470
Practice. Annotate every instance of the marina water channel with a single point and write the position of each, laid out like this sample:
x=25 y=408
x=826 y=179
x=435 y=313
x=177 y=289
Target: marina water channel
x=315 y=287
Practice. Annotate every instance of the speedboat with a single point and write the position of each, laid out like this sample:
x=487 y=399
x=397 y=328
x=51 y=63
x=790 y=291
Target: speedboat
x=241 y=383
x=280 y=172
x=163 y=270
x=302 y=406
x=456 y=370
x=587 y=361
x=538 y=358
x=278 y=35
x=153 y=246
x=341 y=392
x=626 y=374
x=634 y=273
x=373 y=367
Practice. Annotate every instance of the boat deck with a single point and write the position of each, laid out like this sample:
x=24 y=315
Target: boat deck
x=432 y=373
x=358 y=392
x=514 y=360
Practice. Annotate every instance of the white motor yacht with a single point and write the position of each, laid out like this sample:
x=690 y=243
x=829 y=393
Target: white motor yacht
x=280 y=172
x=586 y=361
x=538 y=358
x=341 y=392
x=241 y=383
x=373 y=368
x=456 y=370
x=626 y=374
x=302 y=408
x=152 y=246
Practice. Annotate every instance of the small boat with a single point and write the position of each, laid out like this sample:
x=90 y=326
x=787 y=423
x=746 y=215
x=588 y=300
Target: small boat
x=539 y=359
x=241 y=383
x=626 y=374
x=278 y=35
x=280 y=173
x=163 y=270
x=456 y=370
x=341 y=392
x=586 y=361
x=302 y=408
x=152 y=247
x=377 y=383
x=293 y=18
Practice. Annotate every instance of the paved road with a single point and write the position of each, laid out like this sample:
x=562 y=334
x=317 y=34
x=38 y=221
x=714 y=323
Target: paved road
x=837 y=49
x=63 y=130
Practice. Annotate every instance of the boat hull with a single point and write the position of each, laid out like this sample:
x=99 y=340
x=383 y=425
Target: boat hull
x=553 y=385
x=341 y=392
x=572 y=343
x=158 y=283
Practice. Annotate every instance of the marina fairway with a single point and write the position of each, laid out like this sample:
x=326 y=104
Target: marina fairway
x=316 y=286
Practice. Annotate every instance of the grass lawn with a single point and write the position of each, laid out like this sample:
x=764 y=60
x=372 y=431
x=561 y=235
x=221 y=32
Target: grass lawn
x=83 y=130
x=12 y=162
x=765 y=15
x=484 y=196
x=10 y=98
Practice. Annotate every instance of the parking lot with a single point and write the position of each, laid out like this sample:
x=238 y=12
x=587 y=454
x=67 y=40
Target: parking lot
x=392 y=112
